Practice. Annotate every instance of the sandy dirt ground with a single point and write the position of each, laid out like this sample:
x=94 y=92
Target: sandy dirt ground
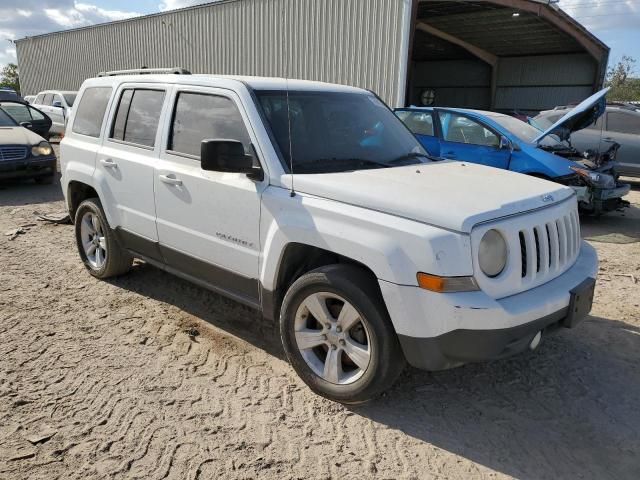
x=148 y=376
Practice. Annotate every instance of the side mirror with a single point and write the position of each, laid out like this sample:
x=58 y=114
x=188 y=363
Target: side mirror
x=57 y=103
x=228 y=156
x=505 y=144
x=27 y=125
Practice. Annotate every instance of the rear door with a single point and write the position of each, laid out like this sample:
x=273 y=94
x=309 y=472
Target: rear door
x=422 y=125
x=466 y=139
x=624 y=127
x=126 y=162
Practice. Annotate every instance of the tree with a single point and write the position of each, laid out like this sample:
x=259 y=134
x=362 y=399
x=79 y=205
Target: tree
x=624 y=87
x=9 y=77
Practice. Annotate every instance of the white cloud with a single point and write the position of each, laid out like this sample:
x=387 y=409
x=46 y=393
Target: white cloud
x=174 y=4
x=22 y=18
x=597 y=15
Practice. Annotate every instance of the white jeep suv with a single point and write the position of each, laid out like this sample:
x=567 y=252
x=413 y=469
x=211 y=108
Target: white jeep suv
x=314 y=204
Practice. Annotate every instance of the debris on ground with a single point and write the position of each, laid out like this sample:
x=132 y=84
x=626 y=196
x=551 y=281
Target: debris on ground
x=61 y=218
x=42 y=435
x=13 y=233
x=192 y=332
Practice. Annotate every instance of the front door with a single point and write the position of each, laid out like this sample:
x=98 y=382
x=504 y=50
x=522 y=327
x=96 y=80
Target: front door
x=125 y=166
x=208 y=222
x=466 y=139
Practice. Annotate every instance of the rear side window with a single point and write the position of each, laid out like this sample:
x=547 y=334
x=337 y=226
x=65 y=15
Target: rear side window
x=39 y=99
x=137 y=117
x=48 y=98
x=623 y=122
x=90 y=114
x=200 y=116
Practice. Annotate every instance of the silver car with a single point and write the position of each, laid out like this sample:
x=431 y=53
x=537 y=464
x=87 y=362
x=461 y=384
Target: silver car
x=620 y=124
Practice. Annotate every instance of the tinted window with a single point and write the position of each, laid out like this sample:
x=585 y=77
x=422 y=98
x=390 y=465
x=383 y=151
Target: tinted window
x=198 y=117
x=138 y=116
x=420 y=123
x=20 y=113
x=47 y=99
x=70 y=98
x=6 y=120
x=460 y=129
x=93 y=104
x=337 y=131
x=623 y=122
x=121 y=115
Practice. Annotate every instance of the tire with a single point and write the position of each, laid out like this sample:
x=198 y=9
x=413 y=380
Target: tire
x=46 y=180
x=108 y=258
x=351 y=377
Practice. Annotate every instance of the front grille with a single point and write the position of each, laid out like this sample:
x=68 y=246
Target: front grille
x=548 y=247
x=12 y=152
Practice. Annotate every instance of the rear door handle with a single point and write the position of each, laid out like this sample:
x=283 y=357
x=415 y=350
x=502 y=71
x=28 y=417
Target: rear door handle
x=170 y=179
x=109 y=163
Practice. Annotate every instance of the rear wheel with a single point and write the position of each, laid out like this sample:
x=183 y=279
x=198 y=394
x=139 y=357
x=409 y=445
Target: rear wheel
x=96 y=242
x=338 y=335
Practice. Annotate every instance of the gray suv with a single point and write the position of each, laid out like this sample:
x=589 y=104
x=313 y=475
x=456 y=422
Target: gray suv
x=620 y=123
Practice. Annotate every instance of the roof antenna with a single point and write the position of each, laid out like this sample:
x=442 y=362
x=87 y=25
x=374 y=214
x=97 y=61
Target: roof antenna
x=292 y=192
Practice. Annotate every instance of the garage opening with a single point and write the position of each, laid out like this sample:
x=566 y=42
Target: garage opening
x=512 y=56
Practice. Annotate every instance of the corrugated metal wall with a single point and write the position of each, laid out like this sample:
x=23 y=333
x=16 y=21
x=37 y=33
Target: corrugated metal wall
x=457 y=83
x=541 y=82
x=355 y=42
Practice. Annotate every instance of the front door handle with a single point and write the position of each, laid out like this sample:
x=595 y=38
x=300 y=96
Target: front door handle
x=109 y=163
x=170 y=179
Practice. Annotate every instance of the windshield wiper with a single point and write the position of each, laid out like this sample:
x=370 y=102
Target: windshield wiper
x=410 y=156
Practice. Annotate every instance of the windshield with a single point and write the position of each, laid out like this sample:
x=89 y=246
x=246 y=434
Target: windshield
x=69 y=98
x=523 y=130
x=6 y=120
x=337 y=132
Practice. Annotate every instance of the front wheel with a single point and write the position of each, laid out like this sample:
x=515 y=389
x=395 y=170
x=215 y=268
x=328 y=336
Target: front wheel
x=338 y=336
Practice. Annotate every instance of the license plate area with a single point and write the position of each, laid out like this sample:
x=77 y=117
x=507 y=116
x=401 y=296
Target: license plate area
x=580 y=302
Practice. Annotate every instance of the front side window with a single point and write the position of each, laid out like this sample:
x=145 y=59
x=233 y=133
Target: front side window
x=460 y=129
x=56 y=98
x=622 y=122
x=336 y=131
x=137 y=117
x=201 y=116
x=93 y=105
x=420 y=123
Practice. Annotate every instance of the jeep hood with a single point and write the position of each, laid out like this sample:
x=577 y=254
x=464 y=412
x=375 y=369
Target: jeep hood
x=583 y=115
x=447 y=194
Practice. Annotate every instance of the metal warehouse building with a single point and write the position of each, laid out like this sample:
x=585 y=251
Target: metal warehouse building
x=495 y=54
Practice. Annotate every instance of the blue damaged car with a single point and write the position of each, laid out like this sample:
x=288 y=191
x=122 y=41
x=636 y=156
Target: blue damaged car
x=506 y=142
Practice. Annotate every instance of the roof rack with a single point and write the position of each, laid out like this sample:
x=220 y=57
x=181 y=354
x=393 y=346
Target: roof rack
x=145 y=70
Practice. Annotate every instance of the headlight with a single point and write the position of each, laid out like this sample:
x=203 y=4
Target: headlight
x=492 y=254
x=42 y=149
x=595 y=179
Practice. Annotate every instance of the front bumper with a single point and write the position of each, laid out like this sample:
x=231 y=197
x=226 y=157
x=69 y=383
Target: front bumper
x=27 y=168
x=444 y=330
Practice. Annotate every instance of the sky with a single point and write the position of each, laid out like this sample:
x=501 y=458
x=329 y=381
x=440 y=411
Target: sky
x=615 y=22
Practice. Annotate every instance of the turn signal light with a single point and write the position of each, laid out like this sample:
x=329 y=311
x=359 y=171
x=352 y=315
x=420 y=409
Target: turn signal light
x=439 y=284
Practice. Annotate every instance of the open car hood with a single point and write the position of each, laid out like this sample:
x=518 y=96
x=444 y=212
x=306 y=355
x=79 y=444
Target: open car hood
x=583 y=115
